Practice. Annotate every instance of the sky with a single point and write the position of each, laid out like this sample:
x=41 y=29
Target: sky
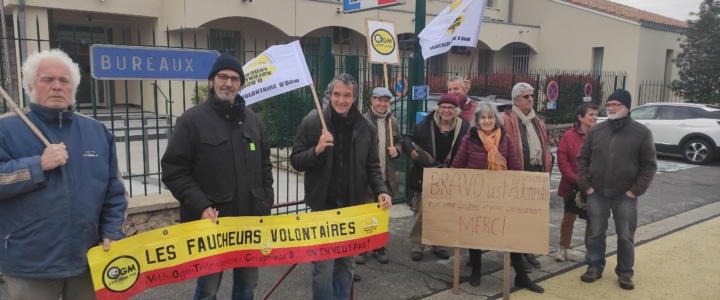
x=677 y=9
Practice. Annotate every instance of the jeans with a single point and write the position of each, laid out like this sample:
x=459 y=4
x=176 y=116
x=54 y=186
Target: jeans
x=333 y=278
x=624 y=211
x=244 y=282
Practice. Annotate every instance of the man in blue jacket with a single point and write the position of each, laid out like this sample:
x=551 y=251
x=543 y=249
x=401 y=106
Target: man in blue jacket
x=59 y=201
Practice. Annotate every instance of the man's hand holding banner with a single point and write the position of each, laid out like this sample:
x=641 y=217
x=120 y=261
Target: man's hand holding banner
x=190 y=250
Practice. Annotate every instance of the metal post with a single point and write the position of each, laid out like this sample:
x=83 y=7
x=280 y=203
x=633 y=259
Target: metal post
x=417 y=63
x=327 y=63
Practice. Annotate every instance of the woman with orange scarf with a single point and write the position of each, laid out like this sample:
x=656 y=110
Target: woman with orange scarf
x=487 y=147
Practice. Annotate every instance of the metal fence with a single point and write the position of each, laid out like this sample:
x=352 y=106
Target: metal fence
x=657 y=91
x=131 y=108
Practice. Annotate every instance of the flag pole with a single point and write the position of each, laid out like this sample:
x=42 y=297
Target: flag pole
x=319 y=107
x=472 y=62
x=22 y=116
x=387 y=86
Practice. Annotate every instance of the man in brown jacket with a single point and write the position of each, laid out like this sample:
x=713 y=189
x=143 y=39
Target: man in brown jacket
x=616 y=165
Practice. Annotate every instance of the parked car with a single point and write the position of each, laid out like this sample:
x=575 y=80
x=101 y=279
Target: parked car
x=399 y=110
x=689 y=129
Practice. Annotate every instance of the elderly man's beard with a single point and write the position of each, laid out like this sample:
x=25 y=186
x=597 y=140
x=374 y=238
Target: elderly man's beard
x=617 y=115
x=227 y=97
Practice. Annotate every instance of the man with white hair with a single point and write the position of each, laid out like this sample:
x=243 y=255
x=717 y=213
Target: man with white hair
x=529 y=134
x=56 y=202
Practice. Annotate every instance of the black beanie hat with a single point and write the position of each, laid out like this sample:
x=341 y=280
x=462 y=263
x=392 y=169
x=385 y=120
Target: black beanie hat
x=623 y=96
x=227 y=62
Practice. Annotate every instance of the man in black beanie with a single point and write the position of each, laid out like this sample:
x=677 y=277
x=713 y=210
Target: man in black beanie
x=212 y=162
x=616 y=165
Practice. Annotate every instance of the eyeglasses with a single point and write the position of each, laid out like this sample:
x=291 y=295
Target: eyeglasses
x=526 y=97
x=446 y=107
x=613 y=104
x=224 y=78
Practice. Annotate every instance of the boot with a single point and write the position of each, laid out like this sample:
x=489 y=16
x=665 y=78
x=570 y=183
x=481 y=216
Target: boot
x=523 y=281
x=476 y=263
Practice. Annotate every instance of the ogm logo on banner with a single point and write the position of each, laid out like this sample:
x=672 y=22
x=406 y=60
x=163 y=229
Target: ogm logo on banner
x=553 y=91
x=455 y=24
x=383 y=42
x=121 y=274
x=261 y=69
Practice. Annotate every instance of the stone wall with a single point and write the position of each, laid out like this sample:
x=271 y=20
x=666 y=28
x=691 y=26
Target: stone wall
x=150 y=212
x=555 y=132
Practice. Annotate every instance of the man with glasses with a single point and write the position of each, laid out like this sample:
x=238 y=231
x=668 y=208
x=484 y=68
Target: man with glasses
x=432 y=143
x=529 y=134
x=217 y=164
x=616 y=165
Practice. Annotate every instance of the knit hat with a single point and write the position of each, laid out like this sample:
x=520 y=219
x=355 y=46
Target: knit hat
x=621 y=95
x=449 y=99
x=227 y=62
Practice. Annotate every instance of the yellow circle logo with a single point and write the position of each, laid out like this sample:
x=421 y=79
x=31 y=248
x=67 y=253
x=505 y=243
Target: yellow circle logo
x=266 y=249
x=383 y=42
x=121 y=274
x=455 y=24
x=261 y=68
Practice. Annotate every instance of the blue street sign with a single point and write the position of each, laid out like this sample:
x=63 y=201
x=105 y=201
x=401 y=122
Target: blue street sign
x=420 y=92
x=132 y=62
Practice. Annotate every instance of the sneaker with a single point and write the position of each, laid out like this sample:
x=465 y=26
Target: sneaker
x=417 y=256
x=360 y=259
x=380 y=255
x=561 y=254
x=532 y=260
x=441 y=254
x=356 y=277
x=590 y=276
x=626 y=282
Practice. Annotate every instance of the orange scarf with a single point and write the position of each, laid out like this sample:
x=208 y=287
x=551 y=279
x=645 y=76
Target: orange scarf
x=495 y=161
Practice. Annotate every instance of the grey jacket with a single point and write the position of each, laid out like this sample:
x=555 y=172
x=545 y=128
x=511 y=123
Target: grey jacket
x=617 y=156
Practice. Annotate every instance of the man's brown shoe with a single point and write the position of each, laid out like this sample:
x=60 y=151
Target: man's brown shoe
x=416 y=256
x=626 y=282
x=590 y=276
x=441 y=254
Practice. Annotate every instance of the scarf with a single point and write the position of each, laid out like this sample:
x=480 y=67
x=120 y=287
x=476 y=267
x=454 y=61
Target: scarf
x=495 y=161
x=382 y=139
x=536 y=151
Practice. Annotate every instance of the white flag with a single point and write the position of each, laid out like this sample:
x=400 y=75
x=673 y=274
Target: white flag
x=279 y=69
x=440 y=35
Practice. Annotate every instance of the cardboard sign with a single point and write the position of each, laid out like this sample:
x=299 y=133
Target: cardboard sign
x=491 y=210
x=190 y=250
x=382 y=42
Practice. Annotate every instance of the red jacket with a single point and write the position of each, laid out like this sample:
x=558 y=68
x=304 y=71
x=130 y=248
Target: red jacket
x=468 y=110
x=472 y=153
x=567 y=153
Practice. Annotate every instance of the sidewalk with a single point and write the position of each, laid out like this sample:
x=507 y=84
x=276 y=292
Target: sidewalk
x=675 y=258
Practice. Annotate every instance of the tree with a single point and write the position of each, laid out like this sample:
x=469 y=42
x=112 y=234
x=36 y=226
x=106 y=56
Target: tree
x=699 y=59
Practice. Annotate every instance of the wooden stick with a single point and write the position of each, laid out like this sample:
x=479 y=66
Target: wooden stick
x=506 y=275
x=472 y=62
x=456 y=272
x=22 y=116
x=319 y=107
x=387 y=85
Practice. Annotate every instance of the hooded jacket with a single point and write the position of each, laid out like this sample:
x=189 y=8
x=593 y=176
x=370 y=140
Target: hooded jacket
x=617 y=156
x=50 y=219
x=364 y=162
x=219 y=156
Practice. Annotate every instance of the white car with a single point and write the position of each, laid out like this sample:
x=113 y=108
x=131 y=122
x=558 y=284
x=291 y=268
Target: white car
x=689 y=129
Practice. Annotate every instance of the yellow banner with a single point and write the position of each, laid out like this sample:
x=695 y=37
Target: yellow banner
x=190 y=250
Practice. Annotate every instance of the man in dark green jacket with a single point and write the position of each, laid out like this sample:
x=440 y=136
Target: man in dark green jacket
x=616 y=165
x=339 y=164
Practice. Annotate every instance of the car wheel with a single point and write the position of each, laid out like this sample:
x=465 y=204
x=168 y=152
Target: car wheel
x=697 y=152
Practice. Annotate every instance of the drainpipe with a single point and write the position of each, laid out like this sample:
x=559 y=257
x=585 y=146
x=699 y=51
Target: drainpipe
x=510 y=11
x=8 y=77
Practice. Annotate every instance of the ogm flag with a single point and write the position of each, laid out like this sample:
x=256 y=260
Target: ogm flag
x=382 y=42
x=280 y=69
x=457 y=25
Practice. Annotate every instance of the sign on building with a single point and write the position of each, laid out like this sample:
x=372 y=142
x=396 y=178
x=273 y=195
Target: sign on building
x=135 y=62
x=353 y=6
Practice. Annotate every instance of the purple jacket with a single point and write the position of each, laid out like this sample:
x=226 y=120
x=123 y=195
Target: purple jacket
x=472 y=153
